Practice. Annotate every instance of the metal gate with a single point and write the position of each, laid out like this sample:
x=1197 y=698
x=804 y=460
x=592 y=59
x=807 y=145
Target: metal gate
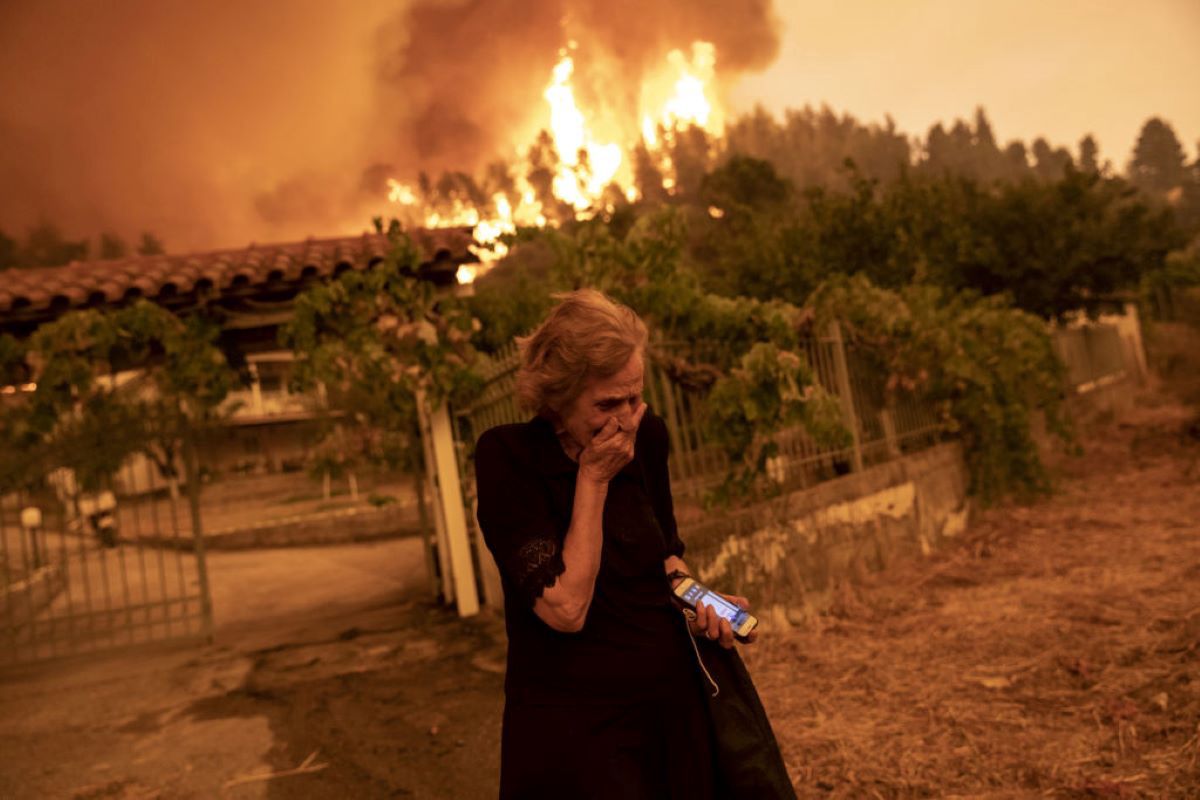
x=881 y=427
x=85 y=572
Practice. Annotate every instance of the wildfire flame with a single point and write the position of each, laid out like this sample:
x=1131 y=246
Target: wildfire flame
x=686 y=102
x=587 y=165
x=681 y=94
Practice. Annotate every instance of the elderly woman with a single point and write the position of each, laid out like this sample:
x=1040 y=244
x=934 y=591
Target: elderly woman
x=604 y=692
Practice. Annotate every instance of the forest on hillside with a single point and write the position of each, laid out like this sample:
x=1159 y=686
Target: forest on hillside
x=830 y=175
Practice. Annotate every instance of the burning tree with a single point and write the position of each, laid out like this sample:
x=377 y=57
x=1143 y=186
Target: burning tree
x=584 y=162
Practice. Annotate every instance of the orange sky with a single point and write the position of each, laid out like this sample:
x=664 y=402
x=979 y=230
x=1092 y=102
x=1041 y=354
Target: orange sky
x=223 y=122
x=1058 y=68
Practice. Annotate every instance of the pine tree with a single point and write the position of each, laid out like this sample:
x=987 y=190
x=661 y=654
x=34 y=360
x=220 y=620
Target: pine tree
x=1049 y=162
x=1088 y=154
x=1157 y=164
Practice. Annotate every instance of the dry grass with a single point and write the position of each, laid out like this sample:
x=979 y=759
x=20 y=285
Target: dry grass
x=1173 y=351
x=1054 y=653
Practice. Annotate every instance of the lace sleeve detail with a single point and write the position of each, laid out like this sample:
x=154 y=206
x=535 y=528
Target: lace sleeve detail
x=535 y=566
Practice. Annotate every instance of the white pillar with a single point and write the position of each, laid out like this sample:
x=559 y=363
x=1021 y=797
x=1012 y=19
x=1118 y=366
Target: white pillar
x=450 y=497
x=437 y=511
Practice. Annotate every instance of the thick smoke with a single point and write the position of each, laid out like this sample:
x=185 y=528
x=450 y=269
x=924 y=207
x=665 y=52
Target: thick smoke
x=221 y=123
x=135 y=115
x=464 y=77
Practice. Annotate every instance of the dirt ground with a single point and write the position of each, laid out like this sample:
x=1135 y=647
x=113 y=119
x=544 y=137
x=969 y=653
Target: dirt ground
x=1055 y=652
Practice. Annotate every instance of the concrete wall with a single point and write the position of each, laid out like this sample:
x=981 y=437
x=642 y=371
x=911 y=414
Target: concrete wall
x=1101 y=399
x=329 y=527
x=789 y=555
x=1129 y=329
x=1105 y=361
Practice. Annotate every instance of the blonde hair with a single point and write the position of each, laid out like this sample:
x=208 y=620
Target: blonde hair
x=586 y=335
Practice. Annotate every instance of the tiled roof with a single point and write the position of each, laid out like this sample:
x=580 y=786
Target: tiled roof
x=42 y=291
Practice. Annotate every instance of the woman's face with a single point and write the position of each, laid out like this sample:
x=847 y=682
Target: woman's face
x=617 y=396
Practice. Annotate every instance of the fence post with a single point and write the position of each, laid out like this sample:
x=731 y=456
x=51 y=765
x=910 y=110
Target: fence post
x=1132 y=325
x=450 y=498
x=191 y=466
x=888 y=423
x=444 y=585
x=842 y=374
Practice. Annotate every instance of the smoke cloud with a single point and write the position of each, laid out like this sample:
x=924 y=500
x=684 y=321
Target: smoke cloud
x=465 y=76
x=222 y=123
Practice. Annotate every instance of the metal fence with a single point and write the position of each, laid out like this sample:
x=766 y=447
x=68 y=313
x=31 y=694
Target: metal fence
x=883 y=425
x=79 y=574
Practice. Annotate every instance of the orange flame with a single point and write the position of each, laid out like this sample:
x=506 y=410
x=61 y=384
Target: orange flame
x=680 y=95
x=587 y=166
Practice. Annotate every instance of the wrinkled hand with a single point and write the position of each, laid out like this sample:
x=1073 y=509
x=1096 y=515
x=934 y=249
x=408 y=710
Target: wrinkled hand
x=711 y=625
x=610 y=449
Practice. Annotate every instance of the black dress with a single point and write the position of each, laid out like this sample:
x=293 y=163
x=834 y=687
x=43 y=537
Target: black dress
x=615 y=710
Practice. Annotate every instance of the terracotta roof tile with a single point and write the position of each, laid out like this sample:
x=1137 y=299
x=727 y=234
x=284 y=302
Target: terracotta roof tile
x=29 y=292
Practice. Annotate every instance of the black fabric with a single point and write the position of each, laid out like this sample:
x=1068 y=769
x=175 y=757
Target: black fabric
x=630 y=641
x=749 y=764
x=658 y=748
x=617 y=709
